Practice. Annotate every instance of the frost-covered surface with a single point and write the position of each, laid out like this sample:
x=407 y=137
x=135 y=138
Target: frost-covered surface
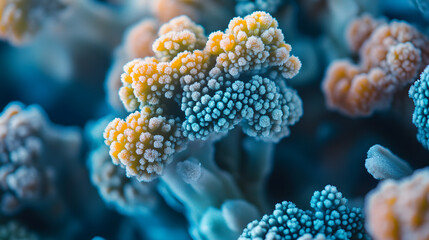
x=27 y=144
x=391 y=56
x=381 y=163
x=423 y=6
x=330 y=218
x=126 y=195
x=219 y=202
x=197 y=87
x=137 y=200
x=419 y=93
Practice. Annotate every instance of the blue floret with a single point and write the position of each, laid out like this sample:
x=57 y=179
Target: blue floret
x=265 y=107
x=419 y=92
x=331 y=219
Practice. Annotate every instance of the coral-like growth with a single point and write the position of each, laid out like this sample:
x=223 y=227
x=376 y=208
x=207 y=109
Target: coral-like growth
x=390 y=57
x=268 y=109
x=381 y=163
x=178 y=35
x=245 y=7
x=419 y=93
x=127 y=195
x=23 y=179
x=252 y=44
x=209 y=86
x=20 y=20
x=399 y=209
x=331 y=219
x=26 y=138
x=143 y=143
x=168 y=9
x=139 y=201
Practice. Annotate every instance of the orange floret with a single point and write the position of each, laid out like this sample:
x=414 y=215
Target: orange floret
x=182 y=23
x=390 y=59
x=178 y=35
x=359 y=31
x=400 y=209
x=252 y=42
x=149 y=80
x=143 y=143
x=339 y=74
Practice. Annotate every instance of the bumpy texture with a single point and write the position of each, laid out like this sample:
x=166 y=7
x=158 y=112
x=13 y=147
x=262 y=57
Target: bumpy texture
x=390 y=57
x=20 y=20
x=178 y=35
x=23 y=178
x=267 y=108
x=245 y=7
x=208 y=86
x=331 y=219
x=30 y=146
x=319 y=236
x=419 y=92
x=143 y=143
x=253 y=43
x=400 y=209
